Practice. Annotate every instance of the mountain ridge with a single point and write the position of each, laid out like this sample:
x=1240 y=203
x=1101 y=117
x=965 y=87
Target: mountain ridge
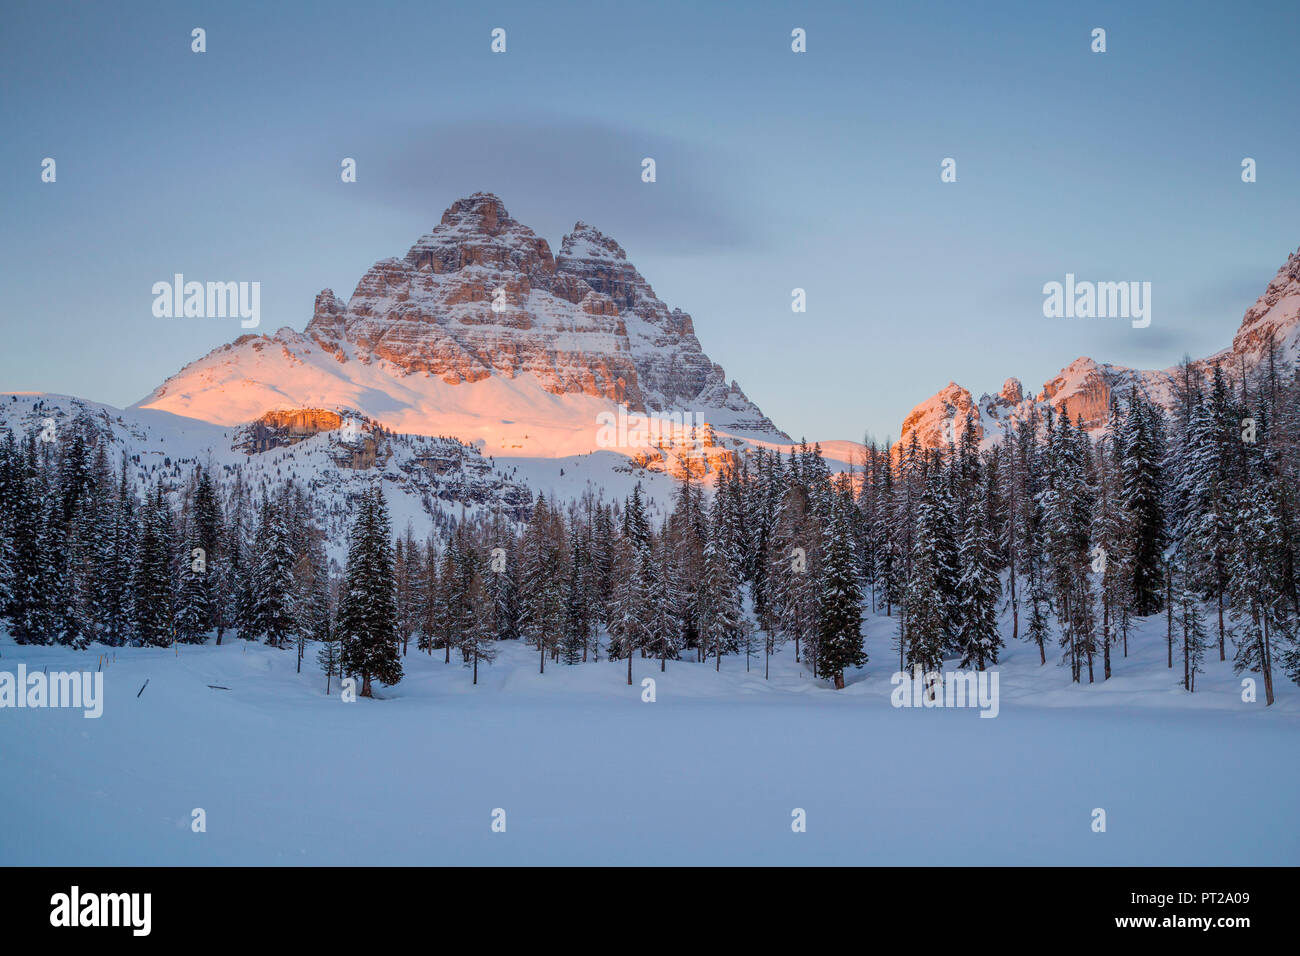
x=1085 y=386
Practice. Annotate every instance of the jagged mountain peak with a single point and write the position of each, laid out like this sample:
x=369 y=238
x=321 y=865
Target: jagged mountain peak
x=588 y=242
x=478 y=231
x=480 y=298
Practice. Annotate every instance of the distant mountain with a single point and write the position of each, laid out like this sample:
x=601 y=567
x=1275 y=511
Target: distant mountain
x=480 y=333
x=1084 y=387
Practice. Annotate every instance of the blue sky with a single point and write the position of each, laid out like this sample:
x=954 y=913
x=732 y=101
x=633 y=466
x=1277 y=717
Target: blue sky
x=775 y=170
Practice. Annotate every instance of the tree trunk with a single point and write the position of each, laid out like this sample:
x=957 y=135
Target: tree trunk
x=1105 y=637
x=629 y=667
x=839 y=681
x=1219 y=598
x=1015 y=604
x=1169 y=611
x=1068 y=623
x=1266 y=664
x=1187 y=677
x=365 y=686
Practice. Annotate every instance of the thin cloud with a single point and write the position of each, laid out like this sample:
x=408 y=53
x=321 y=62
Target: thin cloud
x=553 y=171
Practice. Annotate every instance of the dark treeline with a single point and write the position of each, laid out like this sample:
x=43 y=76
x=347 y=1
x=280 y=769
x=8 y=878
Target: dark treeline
x=1190 y=514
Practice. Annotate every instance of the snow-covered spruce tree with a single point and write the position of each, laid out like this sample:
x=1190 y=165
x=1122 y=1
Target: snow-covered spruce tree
x=209 y=527
x=577 y=610
x=75 y=528
x=152 y=588
x=1142 y=456
x=450 y=598
x=792 y=569
x=946 y=537
x=602 y=572
x=330 y=657
x=1260 y=616
x=541 y=598
x=1226 y=418
x=628 y=625
x=925 y=603
x=839 y=645
x=663 y=632
x=192 y=613
x=1110 y=537
x=685 y=531
x=7 y=449
x=6 y=573
x=244 y=560
x=503 y=584
x=720 y=599
x=408 y=572
x=113 y=562
x=864 y=543
x=474 y=627
x=902 y=516
x=9 y=490
x=92 y=525
x=274 y=579
x=431 y=613
x=762 y=504
x=368 y=607
x=1031 y=546
x=1067 y=509
x=32 y=617
x=978 y=591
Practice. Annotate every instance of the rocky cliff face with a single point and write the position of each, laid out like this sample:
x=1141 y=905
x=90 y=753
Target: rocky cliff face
x=1275 y=316
x=480 y=296
x=1084 y=388
x=672 y=369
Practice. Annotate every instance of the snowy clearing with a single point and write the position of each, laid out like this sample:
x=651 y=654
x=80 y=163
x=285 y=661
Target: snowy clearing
x=589 y=774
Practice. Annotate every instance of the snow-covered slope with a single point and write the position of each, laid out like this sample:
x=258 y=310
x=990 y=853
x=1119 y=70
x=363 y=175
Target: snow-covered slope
x=1084 y=387
x=429 y=482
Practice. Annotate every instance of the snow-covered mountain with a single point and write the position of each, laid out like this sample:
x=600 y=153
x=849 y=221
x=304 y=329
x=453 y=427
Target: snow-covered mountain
x=479 y=332
x=1084 y=387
